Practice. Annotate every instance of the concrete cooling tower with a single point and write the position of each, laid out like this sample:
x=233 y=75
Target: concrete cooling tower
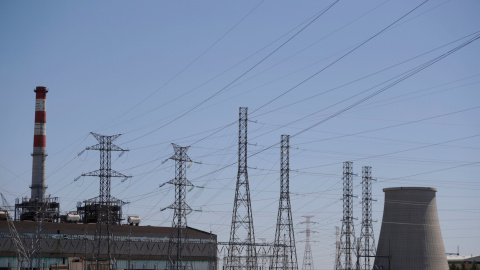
x=410 y=237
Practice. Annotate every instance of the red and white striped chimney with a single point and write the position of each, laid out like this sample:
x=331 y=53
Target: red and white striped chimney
x=39 y=142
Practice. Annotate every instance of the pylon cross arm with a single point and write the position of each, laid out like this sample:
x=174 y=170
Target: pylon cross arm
x=111 y=173
x=102 y=137
x=101 y=146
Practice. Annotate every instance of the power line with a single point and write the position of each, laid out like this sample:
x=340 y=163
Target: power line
x=185 y=68
x=340 y=58
x=239 y=77
x=370 y=75
x=408 y=75
x=405 y=150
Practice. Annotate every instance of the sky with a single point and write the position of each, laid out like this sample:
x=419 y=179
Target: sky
x=389 y=84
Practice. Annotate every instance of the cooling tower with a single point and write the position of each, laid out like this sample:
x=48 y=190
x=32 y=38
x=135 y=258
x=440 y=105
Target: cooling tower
x=410 y=237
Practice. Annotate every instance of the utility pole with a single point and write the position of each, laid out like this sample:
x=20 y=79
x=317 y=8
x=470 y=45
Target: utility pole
x=284 y=252
x=367 y=239
x=307 y=255
x=241 y=252
x=105 y=146
x=178 y=233
x=347 y=236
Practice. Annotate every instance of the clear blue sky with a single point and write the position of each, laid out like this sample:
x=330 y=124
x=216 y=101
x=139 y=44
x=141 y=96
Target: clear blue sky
x=175 y=71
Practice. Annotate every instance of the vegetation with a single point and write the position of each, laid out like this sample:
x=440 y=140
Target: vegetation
x=464 y=266
x=454 y=267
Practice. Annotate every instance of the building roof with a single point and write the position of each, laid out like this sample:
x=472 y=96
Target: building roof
x=79 y=229
x=463 y=258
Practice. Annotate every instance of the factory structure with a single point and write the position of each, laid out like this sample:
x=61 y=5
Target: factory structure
x=97 y=235
x=73 y=246
x=410 y=237
x=29 y=208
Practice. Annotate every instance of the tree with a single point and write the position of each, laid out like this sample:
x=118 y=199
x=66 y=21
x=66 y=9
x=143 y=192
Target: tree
x=453 y=267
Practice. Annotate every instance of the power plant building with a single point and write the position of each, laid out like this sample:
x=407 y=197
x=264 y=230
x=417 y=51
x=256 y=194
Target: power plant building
x=76 y=240
x=132 y=247
x=410 y=237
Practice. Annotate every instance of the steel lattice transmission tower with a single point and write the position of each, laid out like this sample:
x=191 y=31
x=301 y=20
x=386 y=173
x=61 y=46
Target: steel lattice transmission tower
x=284 y=251
x=241 y=251
x=307 y=255
x=105 y=146
x=347 y=236
x=129 y=248
x=178 y=232
x=212 y=253
x=337 y=248
x=367 y=239
x=22 y=254
x=263 y=255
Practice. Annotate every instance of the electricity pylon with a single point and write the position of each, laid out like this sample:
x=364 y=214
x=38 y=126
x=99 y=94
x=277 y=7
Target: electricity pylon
x=307 y=255
x=241 y=251
x=212 y=252
x=367 y=239
x=347 y=236
x=284 y=251
x=337 y=248
x=106 y=147
x=178 y=233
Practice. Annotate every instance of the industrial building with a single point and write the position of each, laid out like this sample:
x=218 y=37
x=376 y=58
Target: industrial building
x=463 y=260
x=72 y=245
x=95 y=236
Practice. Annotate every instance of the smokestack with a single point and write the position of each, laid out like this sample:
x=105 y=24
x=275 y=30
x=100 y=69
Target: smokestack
x=39 y=142
x=410 y=237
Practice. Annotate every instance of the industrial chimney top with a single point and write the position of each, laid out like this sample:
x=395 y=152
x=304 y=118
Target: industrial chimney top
x=41 y=89
x=410 y=188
